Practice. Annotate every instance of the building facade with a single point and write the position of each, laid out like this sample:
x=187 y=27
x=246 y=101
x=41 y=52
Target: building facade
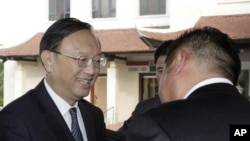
x=129 y=31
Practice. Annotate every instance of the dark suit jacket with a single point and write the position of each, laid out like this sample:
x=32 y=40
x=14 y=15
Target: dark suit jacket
x=140 y=108
x=35 y=117
x=206 y=115
x=112 y=135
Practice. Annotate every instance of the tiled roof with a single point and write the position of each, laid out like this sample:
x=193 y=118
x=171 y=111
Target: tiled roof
x=121 y=40
x=28 y=48
x=236 y=26
x=128 y=40
x=115 y=41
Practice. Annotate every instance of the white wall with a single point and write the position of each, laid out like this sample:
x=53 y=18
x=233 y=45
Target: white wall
x=128 y=94
x=184 y=14
x=100 y=93
x=26 y=17
x=33 y=73
x=20 y=20
x=19 y=77
x=10 y=67
x=122 y=92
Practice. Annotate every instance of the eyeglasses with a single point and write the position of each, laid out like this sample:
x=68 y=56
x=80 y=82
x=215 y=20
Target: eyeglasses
x=98 y=61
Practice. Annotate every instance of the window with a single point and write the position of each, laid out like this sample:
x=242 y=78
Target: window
x=243 y=83
x=152 y=7
x=59 y=9
x=103 y=8
x=148 y=85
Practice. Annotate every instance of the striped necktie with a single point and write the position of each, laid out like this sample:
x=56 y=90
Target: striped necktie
x=75 y=130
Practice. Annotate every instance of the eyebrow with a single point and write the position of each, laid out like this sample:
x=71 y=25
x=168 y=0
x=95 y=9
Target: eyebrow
x=158 y=68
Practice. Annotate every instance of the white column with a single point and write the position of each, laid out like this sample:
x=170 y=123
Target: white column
x=12 y=81
x=112 y=91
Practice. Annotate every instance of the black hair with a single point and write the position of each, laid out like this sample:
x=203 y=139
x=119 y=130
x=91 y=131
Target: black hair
x=211 y=48
x=162 y=49
x=54 y=35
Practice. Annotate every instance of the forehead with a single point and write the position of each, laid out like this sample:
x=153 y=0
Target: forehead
x=161 y=60
x=82 y=41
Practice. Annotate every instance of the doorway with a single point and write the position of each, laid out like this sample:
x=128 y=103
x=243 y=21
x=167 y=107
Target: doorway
x=148 y=86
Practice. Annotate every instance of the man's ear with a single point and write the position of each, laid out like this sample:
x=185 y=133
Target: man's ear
x=46 y=58
x=180 y=61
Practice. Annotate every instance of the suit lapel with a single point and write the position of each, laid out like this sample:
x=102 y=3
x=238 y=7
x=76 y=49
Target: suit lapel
x=52 y=116
x=88 y=120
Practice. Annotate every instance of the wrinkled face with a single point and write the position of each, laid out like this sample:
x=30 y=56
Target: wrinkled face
x=160 y=63
x=66 y=78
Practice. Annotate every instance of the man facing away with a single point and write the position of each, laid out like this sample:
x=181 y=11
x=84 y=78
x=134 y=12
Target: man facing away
x=197 y=89
x=55 y=109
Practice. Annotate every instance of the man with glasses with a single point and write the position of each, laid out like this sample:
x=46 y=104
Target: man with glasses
x=55 y=109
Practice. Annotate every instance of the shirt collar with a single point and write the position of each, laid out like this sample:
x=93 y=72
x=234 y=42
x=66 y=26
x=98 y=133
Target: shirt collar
x=206 y=82
x=61 y=104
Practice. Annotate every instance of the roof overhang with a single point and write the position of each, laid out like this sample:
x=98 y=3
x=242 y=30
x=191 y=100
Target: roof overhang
x=126 y=41
x=236 y=26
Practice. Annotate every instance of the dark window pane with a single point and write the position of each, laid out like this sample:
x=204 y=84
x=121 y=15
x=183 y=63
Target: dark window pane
x=59 y=9
x=152 y=7
x=103 y=8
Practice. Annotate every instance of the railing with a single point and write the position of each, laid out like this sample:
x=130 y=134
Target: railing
x=109 y=115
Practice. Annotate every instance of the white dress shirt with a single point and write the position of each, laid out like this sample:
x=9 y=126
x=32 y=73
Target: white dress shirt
x=206 y=82
x=64 y=107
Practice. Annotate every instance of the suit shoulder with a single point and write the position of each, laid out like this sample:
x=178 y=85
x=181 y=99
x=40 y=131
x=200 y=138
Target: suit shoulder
x=21 y=103
x=86 y=104
x=168 y=108
x=150 y=100
x=146 y=105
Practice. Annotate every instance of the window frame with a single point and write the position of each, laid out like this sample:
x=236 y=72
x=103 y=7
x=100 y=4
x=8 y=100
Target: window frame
x=142 y=95
x=100 y=7
x=61 y=10
x=147 y=8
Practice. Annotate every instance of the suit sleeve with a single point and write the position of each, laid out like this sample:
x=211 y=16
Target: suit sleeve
x=144 y=128
x=12 y=128
x=140 y=108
